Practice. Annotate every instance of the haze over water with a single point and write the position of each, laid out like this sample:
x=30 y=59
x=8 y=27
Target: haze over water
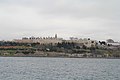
x=38 y=68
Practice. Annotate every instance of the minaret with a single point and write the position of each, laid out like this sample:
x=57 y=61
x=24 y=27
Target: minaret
x=55 y=35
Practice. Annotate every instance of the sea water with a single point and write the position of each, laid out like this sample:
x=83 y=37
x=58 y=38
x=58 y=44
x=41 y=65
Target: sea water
x=40 y=68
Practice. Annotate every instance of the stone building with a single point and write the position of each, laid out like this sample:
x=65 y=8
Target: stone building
x=80 y=42
x=54 y=40
x=41 y=40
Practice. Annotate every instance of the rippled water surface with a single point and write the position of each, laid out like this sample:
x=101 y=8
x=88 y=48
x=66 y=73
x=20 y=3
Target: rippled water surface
x=38 y=68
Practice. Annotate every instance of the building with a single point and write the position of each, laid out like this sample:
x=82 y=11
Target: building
x=111 y=42
x=80 y=42
x=41 y=40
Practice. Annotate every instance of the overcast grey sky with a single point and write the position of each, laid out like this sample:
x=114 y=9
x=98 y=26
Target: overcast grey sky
x=97 y=19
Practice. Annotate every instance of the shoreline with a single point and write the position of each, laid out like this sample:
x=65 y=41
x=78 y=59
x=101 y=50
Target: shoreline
x=45 y=54
x=63 y=57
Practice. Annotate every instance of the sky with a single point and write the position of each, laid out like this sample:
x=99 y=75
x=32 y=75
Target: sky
x=96 y=19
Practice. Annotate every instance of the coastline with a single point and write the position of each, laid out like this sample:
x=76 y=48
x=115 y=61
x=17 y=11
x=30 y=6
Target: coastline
x=65 y=57
x=45 y=54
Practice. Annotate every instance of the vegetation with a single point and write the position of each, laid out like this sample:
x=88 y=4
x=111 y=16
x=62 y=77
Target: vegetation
x=12 y=48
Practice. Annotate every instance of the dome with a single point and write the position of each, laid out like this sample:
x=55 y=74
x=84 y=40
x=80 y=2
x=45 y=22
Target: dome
x=110 y=41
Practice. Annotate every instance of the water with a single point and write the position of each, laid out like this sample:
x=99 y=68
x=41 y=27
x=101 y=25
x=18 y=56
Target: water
x=38 y=68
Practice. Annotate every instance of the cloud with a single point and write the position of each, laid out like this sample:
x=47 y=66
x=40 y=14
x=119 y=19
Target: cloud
x=98 y=19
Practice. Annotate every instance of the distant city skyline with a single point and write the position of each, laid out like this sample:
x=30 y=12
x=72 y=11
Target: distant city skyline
x=96 y=19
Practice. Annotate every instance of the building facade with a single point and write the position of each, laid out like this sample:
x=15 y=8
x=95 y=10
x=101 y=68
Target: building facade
x=80 y=42
x=41 y=40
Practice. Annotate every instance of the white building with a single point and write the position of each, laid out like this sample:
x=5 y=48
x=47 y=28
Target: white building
x=111 y=42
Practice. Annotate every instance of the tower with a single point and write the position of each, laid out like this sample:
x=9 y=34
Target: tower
x=55 y=35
